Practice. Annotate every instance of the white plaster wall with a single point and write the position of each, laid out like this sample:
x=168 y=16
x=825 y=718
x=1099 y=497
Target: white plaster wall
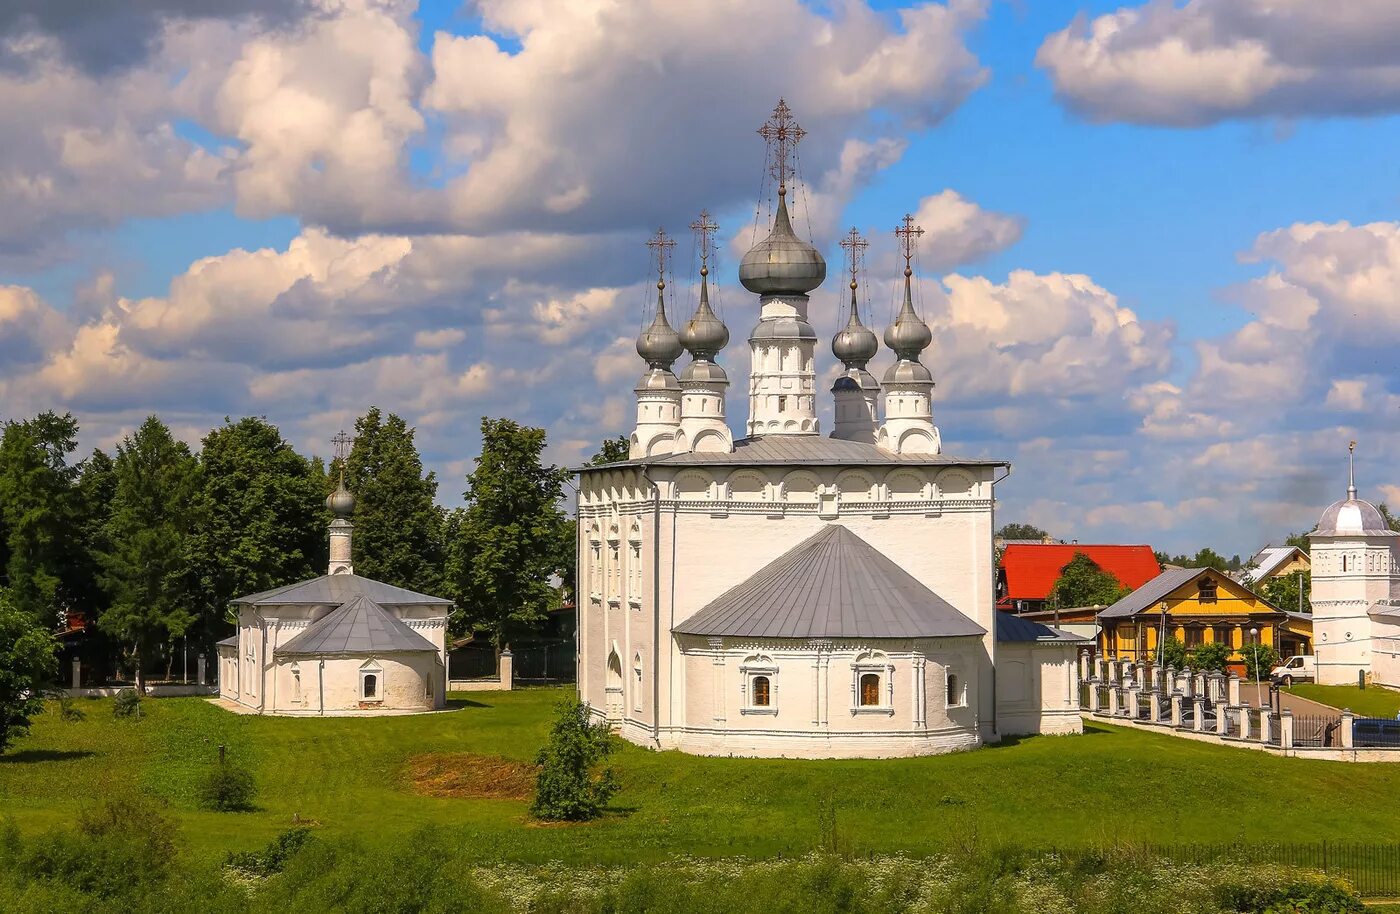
x=1342 y=629
x=1385 y=653
x=333 y=684
x=1037 y=689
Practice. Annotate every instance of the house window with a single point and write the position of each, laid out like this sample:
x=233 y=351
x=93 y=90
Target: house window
x=762 y=694
x=1207 y=589
x=759 y=692
x=1222 y=635
x=870 y=690
x=957 y=692
x=1195 y=636
x=369 y=687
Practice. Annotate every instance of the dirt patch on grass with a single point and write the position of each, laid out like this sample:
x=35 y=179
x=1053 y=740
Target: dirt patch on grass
x=462 y=775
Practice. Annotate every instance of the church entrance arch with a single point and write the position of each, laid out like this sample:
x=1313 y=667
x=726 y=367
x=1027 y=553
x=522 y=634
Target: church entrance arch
x=614 y=688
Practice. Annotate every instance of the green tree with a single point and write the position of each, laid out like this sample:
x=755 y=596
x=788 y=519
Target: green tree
x=1259 y=661
x=613 y=450
x=147 y=569
x=1283 y=591
x=1210 y=656
x=512 y=533
x=398 y=527
x=37 y=498
x=1021 y=532
x=1083 y=583
x=264 y=525
x=566 y=788
x=28 y=665
x=1391 y=521
x=1174 y=654
x=97 y=487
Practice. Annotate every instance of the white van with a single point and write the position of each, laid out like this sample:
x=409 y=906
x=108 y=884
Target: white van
x=1298 y=668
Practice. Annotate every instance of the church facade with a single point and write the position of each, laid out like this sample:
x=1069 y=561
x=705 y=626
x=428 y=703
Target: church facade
x=790 y=593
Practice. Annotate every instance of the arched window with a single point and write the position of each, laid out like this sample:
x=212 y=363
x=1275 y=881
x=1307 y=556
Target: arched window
x=371 y=686
x=955 y=691
x=762 y=696
x=870 y=690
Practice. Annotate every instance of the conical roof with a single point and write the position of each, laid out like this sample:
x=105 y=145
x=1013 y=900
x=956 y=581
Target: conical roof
x=831 y=585
x=335 y=589
x=360 y=626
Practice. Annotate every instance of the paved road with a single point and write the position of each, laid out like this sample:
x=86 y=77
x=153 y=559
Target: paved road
x=1257 y=694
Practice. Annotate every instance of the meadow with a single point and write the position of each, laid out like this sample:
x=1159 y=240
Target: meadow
x=354 y=778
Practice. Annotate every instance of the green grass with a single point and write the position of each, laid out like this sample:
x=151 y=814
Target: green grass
x=1370 y=702
x=1108 y=785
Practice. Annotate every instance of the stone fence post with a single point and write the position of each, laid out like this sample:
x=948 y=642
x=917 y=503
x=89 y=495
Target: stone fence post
x=1266 y=726
x=1114 y=700
x=1094 y=699
x=1285 y=729
x=1188 y=683
x=1198 y=714
x=1244 y=721
x=77 y=673
x=1234 y=691
x=507 y=670
x=1348 y=738
x=1222 y=723
x=1176 y=709
x=1154 y=707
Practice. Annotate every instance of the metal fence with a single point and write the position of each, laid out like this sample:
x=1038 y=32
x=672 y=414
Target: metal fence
x=1373 y=869
x=1317 y=731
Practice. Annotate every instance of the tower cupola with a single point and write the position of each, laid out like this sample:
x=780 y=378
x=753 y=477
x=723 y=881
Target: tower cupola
x=908 y=385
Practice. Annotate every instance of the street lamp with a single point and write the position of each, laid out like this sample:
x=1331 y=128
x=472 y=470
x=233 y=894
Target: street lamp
x=1254 y=636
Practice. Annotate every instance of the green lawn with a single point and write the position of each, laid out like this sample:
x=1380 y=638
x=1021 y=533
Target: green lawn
x=1370 y=702
x=346 y=773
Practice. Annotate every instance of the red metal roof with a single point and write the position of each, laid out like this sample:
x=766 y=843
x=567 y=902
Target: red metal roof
x=1030 y=570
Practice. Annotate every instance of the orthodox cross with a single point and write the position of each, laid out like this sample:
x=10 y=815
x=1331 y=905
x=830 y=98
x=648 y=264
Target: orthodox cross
x=781 y=132
x=661 y=243
x=704 y=228
x=342 y=451
x=855 y=246
x=908 y=234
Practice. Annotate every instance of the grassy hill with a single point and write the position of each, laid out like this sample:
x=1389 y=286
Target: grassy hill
x=354 y=777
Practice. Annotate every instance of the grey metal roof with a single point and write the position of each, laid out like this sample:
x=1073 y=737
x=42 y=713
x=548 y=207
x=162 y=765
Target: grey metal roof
x=230 y=641
x=360 y=626
x=1151 y=593
x=803 y=450
x=335 y=589
x=1014 y=628
x=1352 y=517
x=831 y=585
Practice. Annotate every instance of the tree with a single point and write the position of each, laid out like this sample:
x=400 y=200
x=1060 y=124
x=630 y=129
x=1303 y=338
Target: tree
x=511 y=534
x=264 y=525
x=1210 y=656
x=147 y=569
x=37 y=489
x=97 y=487
x=1259 y=660
x=613 y=450
x=1021 y=532
x=1391 y=521
x=566 y=788
x=28 y=665
x=1173 y=654
x=1283 y=591
x=398 y=527
x=1083 y=583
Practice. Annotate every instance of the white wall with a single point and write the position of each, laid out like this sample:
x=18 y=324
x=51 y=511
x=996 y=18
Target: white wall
x=1037 y=688
x=1342 y=629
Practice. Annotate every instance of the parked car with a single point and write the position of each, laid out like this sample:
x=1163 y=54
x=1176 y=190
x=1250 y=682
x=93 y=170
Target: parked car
x=1373 y=732
x=1298 y=668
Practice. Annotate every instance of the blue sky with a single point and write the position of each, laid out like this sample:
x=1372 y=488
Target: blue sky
x=440 y=210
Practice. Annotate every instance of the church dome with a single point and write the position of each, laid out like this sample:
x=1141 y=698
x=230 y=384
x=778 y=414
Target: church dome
x=1352 y=516
x=782 y=263
x=704 y=335
x=341 y=502
x=854 y=344
x=659 y=344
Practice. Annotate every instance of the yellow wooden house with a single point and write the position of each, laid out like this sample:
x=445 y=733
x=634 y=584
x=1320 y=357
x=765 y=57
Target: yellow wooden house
x=1196 y=606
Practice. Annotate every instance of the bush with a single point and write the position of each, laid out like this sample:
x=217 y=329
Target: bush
x=271 y=859
x=1212 y=656
x=127 y=703
x=122 y=848
x=566 y=788
x=1173 y=654
x=227 y=788
x=1259 y=661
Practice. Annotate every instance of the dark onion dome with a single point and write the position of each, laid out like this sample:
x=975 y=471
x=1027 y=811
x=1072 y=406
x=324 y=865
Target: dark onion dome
x=659 y=344
x=341 y=502
x=908 y=335
x=855 y=344
x=782 y=263
x=1352 y=516
x=704 y=335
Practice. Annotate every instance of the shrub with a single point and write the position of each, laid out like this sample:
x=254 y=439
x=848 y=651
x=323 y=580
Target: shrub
x=566 y=787
x=1212 y=656
x=1259 y=660
x=227 y=788
x=1173 y=654
x=271 y=859
x=122 y=848
x=127 y=703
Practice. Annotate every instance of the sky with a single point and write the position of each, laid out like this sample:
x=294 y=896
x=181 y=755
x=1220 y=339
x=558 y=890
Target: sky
x=1161 y=258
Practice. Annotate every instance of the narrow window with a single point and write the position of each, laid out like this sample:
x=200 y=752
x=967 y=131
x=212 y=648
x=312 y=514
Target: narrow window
x=1344 y=563
x=371 y=685
x=954 y=691
x=870 y=690
x=1207 y=588
x=762 y=696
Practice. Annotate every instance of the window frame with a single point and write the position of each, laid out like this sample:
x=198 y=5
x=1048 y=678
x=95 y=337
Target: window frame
x=958 y=683
x=367 y=670
x=754 y=668
x=882 y=667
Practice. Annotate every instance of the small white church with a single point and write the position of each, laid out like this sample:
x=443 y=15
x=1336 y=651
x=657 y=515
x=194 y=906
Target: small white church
x=1355 y=593
x=791 y=593
x=339 y=644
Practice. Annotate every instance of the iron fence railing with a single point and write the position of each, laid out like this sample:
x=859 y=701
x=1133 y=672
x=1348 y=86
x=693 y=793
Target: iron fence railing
x=1372 y=868
x=1317 y=731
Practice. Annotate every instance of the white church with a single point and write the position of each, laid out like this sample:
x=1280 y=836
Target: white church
x=791 y=593
x=338 y=645
x=1355 y=593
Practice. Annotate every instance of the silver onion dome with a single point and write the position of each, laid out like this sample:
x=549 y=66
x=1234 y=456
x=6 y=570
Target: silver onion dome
x=659 y=344
x=1352 y=516
x=855 y=344
x=782 y=263
x=341 y=502
x=704 y=335
x=908 y=335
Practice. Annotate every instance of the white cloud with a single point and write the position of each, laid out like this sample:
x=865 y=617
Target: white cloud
x=957 y=231
x=1208 y=60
